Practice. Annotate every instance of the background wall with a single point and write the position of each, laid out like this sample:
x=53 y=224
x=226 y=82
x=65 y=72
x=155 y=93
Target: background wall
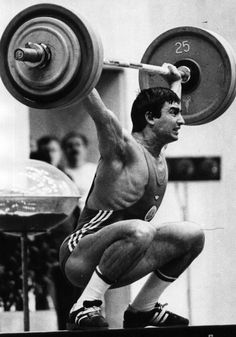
x=127 y=28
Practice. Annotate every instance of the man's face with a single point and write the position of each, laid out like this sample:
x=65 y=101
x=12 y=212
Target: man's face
x=52 y=152
x=168 y=125
x=75 y=149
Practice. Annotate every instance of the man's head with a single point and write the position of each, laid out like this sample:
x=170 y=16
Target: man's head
x=49 y=149
x=74 y=146
x=160 y=109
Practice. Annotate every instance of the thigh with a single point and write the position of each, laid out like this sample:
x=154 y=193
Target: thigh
x=88 y=252
x=171 y=240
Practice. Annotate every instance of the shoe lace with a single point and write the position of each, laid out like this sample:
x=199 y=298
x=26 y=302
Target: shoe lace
x=92 y=311
x=91 y=308
x=159 y=312
x=161 y=306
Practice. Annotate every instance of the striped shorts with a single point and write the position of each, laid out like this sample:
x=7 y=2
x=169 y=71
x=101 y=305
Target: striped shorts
x=99 y=220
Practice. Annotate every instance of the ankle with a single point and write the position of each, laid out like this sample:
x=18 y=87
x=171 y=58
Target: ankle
x=135 y=310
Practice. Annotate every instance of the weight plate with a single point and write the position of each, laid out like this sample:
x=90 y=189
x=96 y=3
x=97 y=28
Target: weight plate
x=232 y=90
x=97 y=65
x=58 y=83
x=64 y=57
x=211 y=88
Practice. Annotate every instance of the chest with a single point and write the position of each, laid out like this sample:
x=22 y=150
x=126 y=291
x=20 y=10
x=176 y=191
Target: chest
x=124 y=181
x=119 y=186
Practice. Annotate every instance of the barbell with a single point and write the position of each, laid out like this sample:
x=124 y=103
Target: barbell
x=51 y=58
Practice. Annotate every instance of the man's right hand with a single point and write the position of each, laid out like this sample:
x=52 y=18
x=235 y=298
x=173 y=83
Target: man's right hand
x=173 y=74
x=173 y=77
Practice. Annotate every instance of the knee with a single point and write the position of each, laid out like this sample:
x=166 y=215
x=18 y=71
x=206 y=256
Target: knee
x=140 y=233
x=194 y=238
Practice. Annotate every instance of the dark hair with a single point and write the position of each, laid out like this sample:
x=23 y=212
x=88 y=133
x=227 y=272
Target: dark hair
x=46 y=139
x=152 y=100
x=73 y=134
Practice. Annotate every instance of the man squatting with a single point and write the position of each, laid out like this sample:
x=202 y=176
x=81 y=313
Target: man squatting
x=118 y=238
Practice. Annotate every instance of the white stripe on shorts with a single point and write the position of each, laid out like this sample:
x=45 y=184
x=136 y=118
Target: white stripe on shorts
x=101 y=216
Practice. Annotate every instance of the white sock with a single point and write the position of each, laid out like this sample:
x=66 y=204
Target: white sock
x=94 y=290
x=151 y=291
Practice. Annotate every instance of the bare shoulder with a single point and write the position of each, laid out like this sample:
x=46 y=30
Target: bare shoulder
x=130 y=150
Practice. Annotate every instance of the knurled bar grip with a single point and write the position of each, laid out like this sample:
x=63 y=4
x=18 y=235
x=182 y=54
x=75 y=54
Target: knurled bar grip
x=184 y=71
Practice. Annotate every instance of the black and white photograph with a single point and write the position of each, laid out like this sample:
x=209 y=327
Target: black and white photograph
x=117 y=168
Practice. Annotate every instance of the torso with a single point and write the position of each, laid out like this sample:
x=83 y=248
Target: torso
x=117 y=184
x=122 y=192
x=130 y=190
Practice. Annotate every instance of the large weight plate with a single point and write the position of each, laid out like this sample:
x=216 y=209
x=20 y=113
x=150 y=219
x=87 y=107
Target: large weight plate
x=66 y=77
x=97 y=66
x=64 y=62
x=212 y=86
x=232 y=90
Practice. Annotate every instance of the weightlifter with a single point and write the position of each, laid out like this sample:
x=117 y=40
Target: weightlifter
x=118 y=238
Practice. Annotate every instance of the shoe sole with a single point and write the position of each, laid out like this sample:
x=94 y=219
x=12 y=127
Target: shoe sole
x=153 y=326
x=73 y=327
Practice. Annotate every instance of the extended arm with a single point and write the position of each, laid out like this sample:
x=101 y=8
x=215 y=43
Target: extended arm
x=110 y=133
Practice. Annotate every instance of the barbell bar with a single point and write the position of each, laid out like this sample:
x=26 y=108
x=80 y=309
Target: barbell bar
x=52 y=58
x=152 y=69
x=37 y=54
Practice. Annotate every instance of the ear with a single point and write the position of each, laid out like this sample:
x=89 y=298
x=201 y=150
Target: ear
x=149 y=118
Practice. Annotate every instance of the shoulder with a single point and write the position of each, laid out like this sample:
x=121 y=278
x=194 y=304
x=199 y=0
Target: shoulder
x=133 y=151
x=123 y=151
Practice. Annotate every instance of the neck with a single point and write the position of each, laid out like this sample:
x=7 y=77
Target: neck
x=153 y=145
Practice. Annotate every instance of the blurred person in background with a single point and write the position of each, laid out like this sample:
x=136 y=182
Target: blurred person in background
x=48 y=150
x=77 y=167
